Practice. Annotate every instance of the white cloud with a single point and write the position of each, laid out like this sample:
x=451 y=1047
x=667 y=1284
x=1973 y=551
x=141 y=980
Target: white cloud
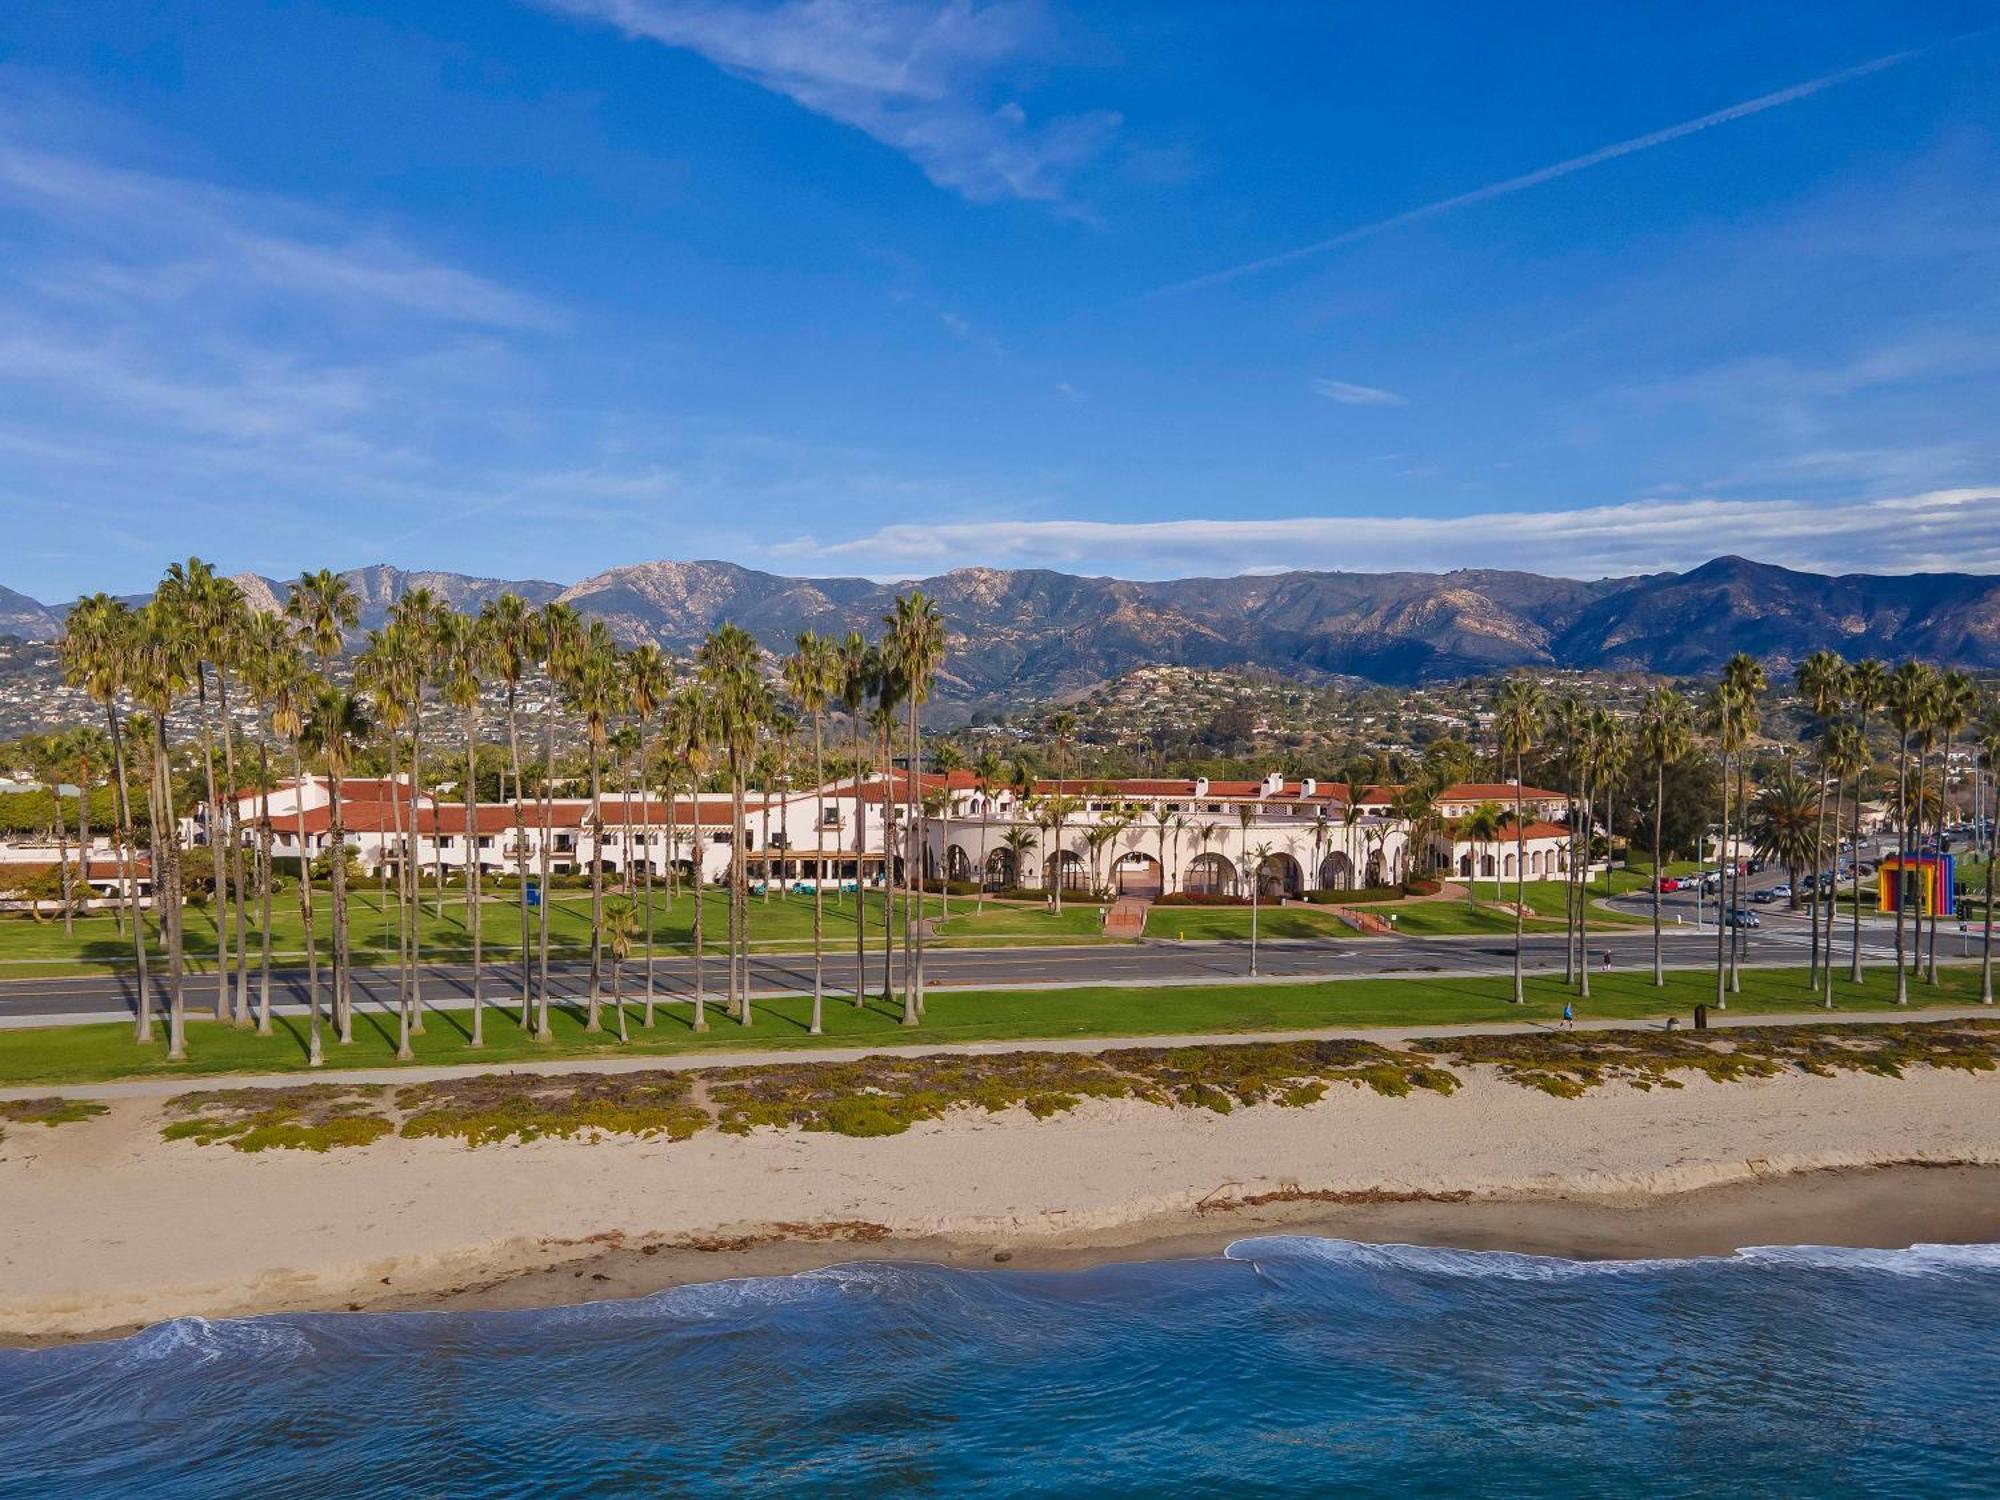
x=1944 y=530
x=921 y=78
x=1357 y=395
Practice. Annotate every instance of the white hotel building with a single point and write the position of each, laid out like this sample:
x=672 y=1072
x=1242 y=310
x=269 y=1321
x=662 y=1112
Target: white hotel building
x=1134 y=836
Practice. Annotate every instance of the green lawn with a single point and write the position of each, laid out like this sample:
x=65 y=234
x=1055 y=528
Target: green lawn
x=1016 y=923
x=1232 y=923
x=784 y=921
x=82 y=1054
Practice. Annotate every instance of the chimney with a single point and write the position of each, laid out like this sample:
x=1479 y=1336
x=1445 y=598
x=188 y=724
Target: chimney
x=1308 y=787
x=1201 y=786
x=1274 y=782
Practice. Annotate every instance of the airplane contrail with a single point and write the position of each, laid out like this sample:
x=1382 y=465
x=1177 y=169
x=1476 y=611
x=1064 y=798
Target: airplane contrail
x=1546 y=174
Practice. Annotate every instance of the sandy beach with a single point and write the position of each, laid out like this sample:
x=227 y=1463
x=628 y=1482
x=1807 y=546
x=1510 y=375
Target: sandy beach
x=108 y=1227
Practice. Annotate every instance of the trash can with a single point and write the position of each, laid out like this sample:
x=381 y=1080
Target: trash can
x=1701 y=1018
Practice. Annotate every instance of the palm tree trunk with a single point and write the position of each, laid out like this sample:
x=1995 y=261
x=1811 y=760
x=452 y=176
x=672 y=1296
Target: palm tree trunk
x=819 y=871
x=1722 y=894
x=265 y=878
x=1520 y=846
x=595 y=1019
x=404 y=1052
x=343 y=997
x=542 y=1032
x=218 y=877
x=1735 y=870
x=1902 y=861
x=740 y=890
x=700 y=988
x=1986 y=940
x=646 y=800
x=1659 y=811
x=128 y=877
x=242 y=892
x=860 y=874
x=520 y=844
x=913 y=922
x=1944 y=790
x=1854 y=885
x=1582 y=893
x=314 y=1054
x=473 y=885
x=1819 y=828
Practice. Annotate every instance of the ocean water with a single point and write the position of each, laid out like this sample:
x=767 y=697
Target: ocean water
x=1290 y=1365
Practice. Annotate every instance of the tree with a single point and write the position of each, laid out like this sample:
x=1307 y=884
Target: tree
x=1988 y=736
x=1518 y=717
x=508 y=630
x=690 y=737
x=1062 y=729
x=387 y=670
x=649 y=678
x=1666 y=736
x=1743 y=674
x=1821 y=680
x=1867 y=690
x=1910 y=699
x=1261 y=853
x=812 y=676
x=335 y=728
x=463 y=653
x=1725 y=716
x=1955 y=702
x=322 y=607
x=162 y=668
x=595 y=693
x=1784 y=825
x=856 y=670
x=620 y=924
x=728 y=663
x=1843 y=757
x=1483 y=826
x=914 y=646
x=1019 y=842
x=987 y=768
x=559 y=638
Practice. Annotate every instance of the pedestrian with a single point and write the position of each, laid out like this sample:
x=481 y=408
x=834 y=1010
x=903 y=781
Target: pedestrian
x=1569 y=1016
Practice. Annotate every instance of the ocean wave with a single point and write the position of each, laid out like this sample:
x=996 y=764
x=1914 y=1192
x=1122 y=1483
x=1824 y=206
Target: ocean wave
x=200 y=1340
x=1511 y=1265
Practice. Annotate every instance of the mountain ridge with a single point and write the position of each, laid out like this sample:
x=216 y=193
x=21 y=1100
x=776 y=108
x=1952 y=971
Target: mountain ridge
x=1039 y=631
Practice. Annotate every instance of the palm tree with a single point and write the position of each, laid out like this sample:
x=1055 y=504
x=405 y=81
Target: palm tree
x=1570 y=719
x=621 y=925
x=462 y=652
x=336 y=727
x=1843 y=755
x=1821 y=680
x=1957 y=700
x=595 y=692
x=1246 y=819
x=162 y=667
x=987 y=768
x=1062 y=729
x=1262 y=853
x=1483 y=826
x=387 y=670
x=273 y=671
x=728 y=662
x=1666 y=736
x=1989 y=758
x=1867 y=690
x=649 y=678
x=1518 y=717
x=882 y=724
x=855 y=670
x=558 y=636
x=97 y=652
x=322 y=606
x=1019 y=842
x=1910 y=699
x=1784 y=823
x=812 y=677
x=508 y=629
x=195 y=593
x=1725 y=716
x=690 y=737
x=914 y=646
x=1742 y=673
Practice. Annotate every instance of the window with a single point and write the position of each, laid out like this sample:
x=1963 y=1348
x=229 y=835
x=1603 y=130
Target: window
x=445 y=842
x=486 y=843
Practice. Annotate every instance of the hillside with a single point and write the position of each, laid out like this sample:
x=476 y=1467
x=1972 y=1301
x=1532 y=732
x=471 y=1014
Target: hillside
x=1038 y=632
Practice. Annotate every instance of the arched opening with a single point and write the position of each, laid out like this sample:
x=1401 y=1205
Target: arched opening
x=1375 y=868
x=1486 y=865
x=957 y=865
x=1000 y=870
x=1075 y=873
x=1137 y=874
x=1509 y=870
x=1209 y=874
x=1279 y=877
x=1336 y=873
x=1465 y=866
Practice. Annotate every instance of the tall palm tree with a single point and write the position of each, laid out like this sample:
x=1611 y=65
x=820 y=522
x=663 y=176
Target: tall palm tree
x=856 y=670
x=1570 y=720
x=882 y=722
x=1020 y=843
x=1784 y=820
x=163 y=665
x=322 y=606
x=1821 y=679
x=1246 y=819
x=1482 y=827
x=987 y=768
x=1957 y=700
x=1518 y=716
x=812 y=677
x=1843 y=755
x=1062 y=729
x=595 y=693
x=945 y=758
x=273 y=671
x=1910 y=699
x=509 y=628
x=690 y=736
x=387 y=670
x=1988 y=737
x=728 y=661
x=1867 y=690
x=1666 y=736
x=558 y=636
x=649 y=678
x=1743 y=673
x=1261 y=853
x=97 y=652
x=1725 y=717
x=336 y=727
x=915 y=645
x=462 y=653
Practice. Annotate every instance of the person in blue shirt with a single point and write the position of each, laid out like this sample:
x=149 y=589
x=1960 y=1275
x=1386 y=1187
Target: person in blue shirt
x=1569 y=1016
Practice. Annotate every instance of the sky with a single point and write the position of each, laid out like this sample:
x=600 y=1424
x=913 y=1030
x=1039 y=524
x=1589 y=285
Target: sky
x=536 y=288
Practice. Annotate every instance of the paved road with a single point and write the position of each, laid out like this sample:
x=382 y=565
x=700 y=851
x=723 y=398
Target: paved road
x=99 y=997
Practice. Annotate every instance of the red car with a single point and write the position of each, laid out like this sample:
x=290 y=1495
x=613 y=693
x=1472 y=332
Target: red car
x=1669 y=883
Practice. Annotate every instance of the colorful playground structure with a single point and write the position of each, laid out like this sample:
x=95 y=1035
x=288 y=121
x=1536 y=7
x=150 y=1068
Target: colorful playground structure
x=1923 y=881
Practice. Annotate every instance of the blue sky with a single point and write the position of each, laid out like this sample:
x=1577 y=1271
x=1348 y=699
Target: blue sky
x=886 y=287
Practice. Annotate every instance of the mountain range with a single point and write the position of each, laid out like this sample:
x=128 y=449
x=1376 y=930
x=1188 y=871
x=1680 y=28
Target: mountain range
x=1032 y=632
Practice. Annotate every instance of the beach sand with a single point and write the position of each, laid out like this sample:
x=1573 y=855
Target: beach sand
x=105 y=1227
